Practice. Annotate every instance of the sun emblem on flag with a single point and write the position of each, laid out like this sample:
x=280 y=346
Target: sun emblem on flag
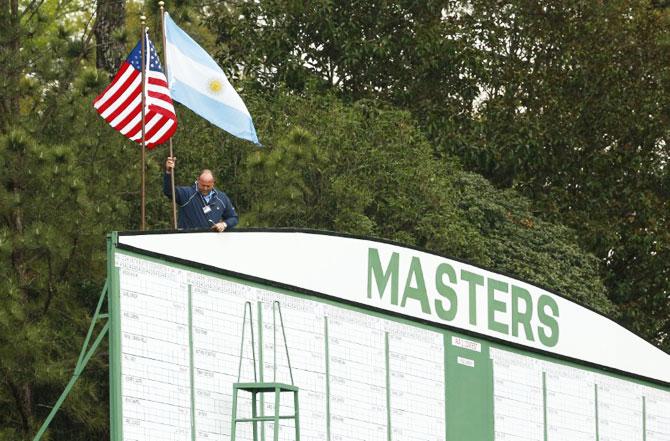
x=215 y=86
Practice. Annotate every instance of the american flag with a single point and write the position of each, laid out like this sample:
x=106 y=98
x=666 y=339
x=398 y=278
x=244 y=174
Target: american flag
x=121 y=102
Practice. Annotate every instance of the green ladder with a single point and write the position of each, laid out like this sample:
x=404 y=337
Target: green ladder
x=257 y=387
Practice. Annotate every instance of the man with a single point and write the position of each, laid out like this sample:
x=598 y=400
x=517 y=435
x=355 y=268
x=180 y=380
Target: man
x=200 y=205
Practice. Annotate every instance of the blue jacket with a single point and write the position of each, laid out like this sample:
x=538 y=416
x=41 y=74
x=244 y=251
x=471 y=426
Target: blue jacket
x=192 y=207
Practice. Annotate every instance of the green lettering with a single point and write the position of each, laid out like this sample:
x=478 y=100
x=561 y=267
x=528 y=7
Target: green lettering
x=473 y=280
x=496 y=305
x=446 y=291
x=519 y=317
x=382 y=277
x=549 y=321
x=419 y=293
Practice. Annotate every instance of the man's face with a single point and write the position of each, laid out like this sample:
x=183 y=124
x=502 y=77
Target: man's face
x=205 y=184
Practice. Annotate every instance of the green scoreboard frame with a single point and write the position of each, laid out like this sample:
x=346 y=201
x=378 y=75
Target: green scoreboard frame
x=469 y=379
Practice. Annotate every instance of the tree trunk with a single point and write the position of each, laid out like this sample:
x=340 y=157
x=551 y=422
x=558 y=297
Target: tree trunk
x=10 y=42
x=4 y=58
x=110 y=20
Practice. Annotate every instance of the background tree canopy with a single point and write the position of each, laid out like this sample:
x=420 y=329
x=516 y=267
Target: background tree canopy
x=526 y=137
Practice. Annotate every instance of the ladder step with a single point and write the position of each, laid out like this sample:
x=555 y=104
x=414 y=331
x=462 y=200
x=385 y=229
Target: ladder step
x=262 y=387
x=264 y=418
x=265 y=387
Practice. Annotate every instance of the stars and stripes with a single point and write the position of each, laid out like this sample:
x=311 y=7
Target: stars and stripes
x=120 y=104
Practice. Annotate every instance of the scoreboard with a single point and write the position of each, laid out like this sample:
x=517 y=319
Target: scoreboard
x=385 y=343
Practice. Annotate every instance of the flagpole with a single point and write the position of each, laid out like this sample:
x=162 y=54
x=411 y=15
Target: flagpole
x=167 y=78
x=144 y=141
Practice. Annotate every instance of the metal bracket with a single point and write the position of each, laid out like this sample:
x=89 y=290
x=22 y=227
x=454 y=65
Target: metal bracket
x=84 y=357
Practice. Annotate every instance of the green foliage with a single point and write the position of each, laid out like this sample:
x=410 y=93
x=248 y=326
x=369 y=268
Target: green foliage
x=53 y=243
x=574 y=116
x=367 y=109
x=404 y=52
x=564 y=102
x=60 y=193
x=367 y=169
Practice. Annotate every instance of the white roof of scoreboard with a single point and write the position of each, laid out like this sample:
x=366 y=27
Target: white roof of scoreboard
x=417 y=285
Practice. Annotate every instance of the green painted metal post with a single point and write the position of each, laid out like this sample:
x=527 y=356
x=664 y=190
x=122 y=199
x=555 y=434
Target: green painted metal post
x=254 y=414
x=84 y=356
x=445 y=345
x=191 y=363
x=389 y=433
x=114 y=306
x=296 y=409
x=261 y=367
x=544 y=404
x=644 y=418
x=78 y=370
x=327 y=361
x=96 y=316
x=595 y=387
x=276 y=418
x=233 y=424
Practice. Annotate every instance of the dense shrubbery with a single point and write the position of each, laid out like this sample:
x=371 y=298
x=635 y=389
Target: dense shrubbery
x=527 y=140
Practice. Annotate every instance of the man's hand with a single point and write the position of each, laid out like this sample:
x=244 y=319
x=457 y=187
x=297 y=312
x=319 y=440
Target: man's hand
x=169 y=163
x=220 y=227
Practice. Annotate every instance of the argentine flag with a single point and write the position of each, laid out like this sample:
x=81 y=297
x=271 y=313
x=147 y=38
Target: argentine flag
x=198 y=82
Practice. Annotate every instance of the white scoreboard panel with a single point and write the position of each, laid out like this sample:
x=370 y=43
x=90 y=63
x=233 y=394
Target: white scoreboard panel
x=362 y=376
x=536 y=399
x=180 y=351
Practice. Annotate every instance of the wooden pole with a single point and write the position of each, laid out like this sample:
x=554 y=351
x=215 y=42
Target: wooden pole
x=144 y=141
x=165 y=66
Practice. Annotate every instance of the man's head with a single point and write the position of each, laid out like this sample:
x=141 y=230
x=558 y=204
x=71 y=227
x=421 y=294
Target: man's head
x=205 y=182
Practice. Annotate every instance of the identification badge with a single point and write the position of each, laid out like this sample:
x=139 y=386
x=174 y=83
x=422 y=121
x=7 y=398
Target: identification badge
x=206 y=209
